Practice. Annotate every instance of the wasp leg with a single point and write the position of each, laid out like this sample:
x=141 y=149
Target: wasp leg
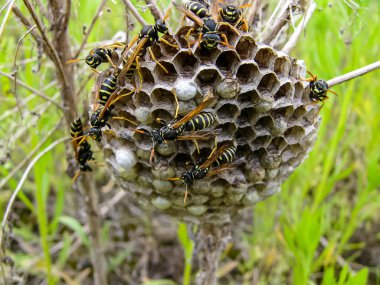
x=154 y=58
x=110 y=132
x=110 y=61
x=75 y=177
x=121 y=96
x=177 y=104
x=168 y=43
x=244 y=26
x=187 y=38
x=138 y=69
x=230 y=26
x=125 y=119
x=196 y=146
x=96 y=71
x=225 y=41
x=185 y=198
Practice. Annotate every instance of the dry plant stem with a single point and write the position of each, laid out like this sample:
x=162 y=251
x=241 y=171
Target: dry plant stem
x=154 y=9
x=89 y=30
x=291 y=43
x=251 y=14
x=353 y=74
x=29 y=155
x=210 y=242
x=31 y=89
x=27 y=24
x=273 y=32
x=134 y=11
x=6 y=17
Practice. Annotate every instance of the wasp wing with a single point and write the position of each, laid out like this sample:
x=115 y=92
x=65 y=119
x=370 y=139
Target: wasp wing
x=189 y=14
x=214 y=156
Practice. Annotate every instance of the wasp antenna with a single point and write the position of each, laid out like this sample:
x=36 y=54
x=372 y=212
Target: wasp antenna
x=185 y=198
x=245 y=6
x=74 y=60
x=167 y=13
x=75 y=177
x=333 y=92
x=151 y=158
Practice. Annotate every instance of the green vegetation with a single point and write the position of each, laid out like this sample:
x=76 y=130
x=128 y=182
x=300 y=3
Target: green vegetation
x=302 y=235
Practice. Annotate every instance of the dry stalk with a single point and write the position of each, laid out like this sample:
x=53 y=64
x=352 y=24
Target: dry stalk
x=210 y=242
x=134 y=11
x=156 y=12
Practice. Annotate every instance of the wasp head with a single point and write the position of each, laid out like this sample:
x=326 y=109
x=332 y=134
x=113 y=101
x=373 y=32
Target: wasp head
x=319 y=87
x=156 y=137
x=210 y=40
x=95 y=133
x=161 y=27
x=187 y=177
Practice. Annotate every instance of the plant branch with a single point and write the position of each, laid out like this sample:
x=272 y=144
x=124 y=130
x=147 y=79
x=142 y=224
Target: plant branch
x=89 y=30
x=10 y=3
x=156 y=12
x=293 y=39
x=134 y=11
x=31 y=89
x=353 y=74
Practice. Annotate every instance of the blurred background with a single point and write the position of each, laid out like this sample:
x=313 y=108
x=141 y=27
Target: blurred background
x=322 y=228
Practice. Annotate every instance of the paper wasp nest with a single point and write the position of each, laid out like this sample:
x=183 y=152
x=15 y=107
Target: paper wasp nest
x=262 y=107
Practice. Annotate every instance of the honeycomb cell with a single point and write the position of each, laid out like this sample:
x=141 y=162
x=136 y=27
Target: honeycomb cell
x=265 y=57
x=283 y=112
x=186 y=63
x=277 y=144
x=299 y=113
x=269 y=83
x=207 y=56
x=246 y=47
x=227 y=131
x=244 y=135
x=163 y=99
x=227 y=62
x=168 y=50
x=207 y=76
x=147 y=77
x=167 y=77
x=125 y=116
x=227 y=112
x=249 y=98
x=294 y=134
x=286 y=91
x=231 y=35
x=162 y=114
x=282 y=66
x=248 y=73
x=261 y=141
x=228 y=88
x=246 y=117
x=265 y=122
x=141 y=99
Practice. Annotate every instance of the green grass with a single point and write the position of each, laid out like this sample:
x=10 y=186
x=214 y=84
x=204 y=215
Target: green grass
x=333 y=194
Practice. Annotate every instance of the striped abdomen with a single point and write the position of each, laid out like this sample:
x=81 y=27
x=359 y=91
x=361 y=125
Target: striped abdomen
x=107 y=88
x=98 y=56
x=227 y=156
x=200 y=122
x=197 y=9
x=76 y=128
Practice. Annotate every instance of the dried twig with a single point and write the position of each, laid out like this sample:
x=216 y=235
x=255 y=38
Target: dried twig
x=15 y=67
x=89 y=30
x=293 y=39
x=156 y=12
x=134 y=11
x=351 y=75
x=31 y=89
x=26 y=23
x=6 y=16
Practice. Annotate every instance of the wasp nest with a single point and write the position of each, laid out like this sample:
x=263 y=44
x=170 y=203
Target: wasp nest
x=262 y=107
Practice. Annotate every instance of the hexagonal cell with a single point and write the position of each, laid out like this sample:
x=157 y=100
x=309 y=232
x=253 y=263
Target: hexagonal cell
x=285 y=91
x=248 y=98
x=294 y=68
x=284 y=112
x=294 y=134
x=125 y=100
x=246 y=47
x=142 y=99
x=162 y=98
x=282 y=66
x=299 y=91
x=247 y=73
x=207 y=56
x=277 y=144
x=291 y=152
x=180 y=35
x=269 y=83
x=143 y=141
x=264 y=57
x=246 y=117
x=227 y=62
x=244 y=135
x=147 y=76
x=227 y=131
x=243 y=150
x=227 y=111
x=186 y=63
x=299 y=113
x=265 y=122
x=162 y=114
x=261 y=141
x=127 y=116
x=167 y=77
x=231 y=35
x=208 y=76
x=167 y=49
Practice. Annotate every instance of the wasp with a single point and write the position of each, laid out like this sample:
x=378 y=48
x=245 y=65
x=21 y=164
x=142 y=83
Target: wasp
x=199 y=9
x=82 y=148
x=193 y=121
x=99 y=55
x=233 y=15
x=219 y=160
x=209 y=36
x=147 y=37
x=318 y=89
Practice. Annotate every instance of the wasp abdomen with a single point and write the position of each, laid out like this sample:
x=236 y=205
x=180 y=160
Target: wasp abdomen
x=107 y=88
x=197 y=8
x=200 y=122
x=227 y=156
x=76 y=129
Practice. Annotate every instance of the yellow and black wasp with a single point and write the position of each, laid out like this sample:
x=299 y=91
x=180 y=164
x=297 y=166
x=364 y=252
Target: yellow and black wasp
x=194 y=121
x=99 y=55
x=318 y=89
x=233 y=15
x=209 y=35
x=219 y=160
x=82 y=148
x=147 y=37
